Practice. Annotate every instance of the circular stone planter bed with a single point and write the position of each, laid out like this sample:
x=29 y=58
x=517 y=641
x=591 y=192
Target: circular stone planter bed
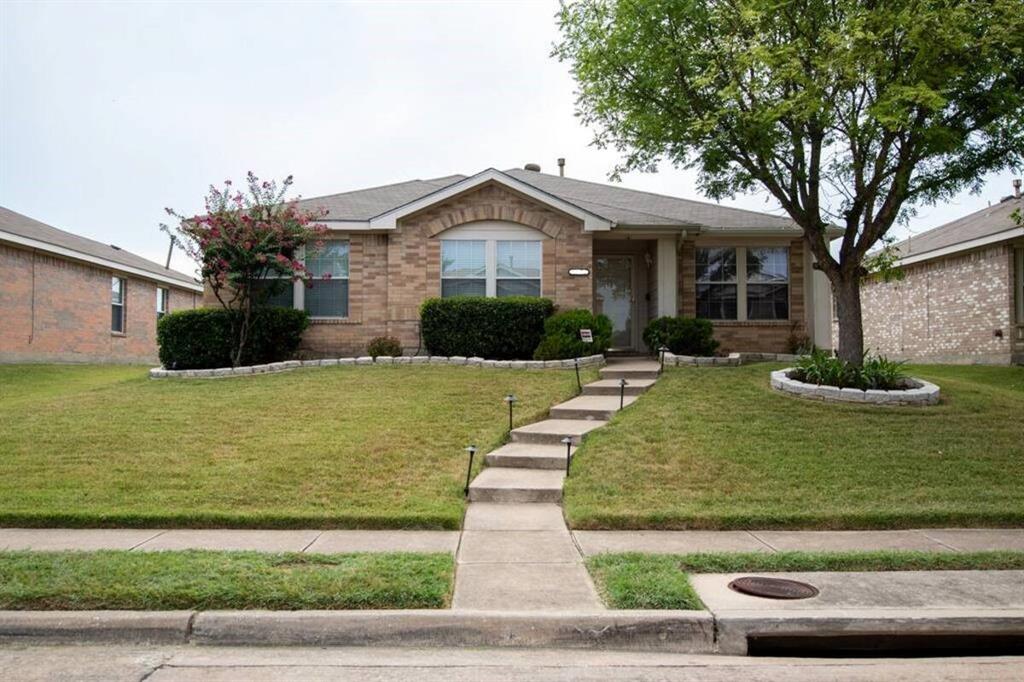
x=917 y=391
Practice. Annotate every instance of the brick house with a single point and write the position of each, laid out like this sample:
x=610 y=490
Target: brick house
x=631 y=255
x=65 y=298
x=962 y=296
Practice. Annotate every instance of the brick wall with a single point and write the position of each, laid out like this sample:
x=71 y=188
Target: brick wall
x=944 y=310
x=765 y=336
x=391 y=275
x=58 y=310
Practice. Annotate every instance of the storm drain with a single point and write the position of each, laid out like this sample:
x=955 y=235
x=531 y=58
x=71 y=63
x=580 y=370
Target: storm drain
x=773 y=588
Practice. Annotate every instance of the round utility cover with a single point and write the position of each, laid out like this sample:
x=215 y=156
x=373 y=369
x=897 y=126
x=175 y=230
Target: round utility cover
x=773 y=588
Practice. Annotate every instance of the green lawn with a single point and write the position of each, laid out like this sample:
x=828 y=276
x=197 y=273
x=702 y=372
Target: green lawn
x=659 y=581
x=335 y=447
x=717 y=448
x=223 y=580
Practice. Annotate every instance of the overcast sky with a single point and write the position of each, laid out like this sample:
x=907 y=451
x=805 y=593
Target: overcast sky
x=111 y=111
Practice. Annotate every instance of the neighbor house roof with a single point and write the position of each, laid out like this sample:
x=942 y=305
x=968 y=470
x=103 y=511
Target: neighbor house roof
x=20 y=229
x=989 y=225
x=619 y=206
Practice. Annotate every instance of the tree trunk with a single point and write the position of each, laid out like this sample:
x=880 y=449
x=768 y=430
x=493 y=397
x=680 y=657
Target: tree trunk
x=846 y=289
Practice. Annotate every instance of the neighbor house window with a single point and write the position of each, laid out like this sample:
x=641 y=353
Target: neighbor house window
x=327 y=292
x=490 y=267
x=767 y=283
x=716 y=283
x=117 y=301
x=162 y=302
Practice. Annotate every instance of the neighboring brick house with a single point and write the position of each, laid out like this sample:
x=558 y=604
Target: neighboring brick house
x=65 y=298
x=962 y=295
x=631 y=255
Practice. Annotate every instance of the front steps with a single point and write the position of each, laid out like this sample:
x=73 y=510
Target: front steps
x=531 y=468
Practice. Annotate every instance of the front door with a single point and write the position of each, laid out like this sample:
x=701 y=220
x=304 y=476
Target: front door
x=613 y=296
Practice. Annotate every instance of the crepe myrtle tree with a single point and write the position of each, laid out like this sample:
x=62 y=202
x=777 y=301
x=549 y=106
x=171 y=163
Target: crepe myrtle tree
x=248 y=246
x=847 y=112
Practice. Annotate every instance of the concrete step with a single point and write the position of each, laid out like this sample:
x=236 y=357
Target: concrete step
x=631 y=369
x=507 y=485
x=600 y=407
x=611 y=387
x=552 y=431
x=528 y=456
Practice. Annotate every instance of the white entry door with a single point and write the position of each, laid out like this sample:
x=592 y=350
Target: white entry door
x=613 y=296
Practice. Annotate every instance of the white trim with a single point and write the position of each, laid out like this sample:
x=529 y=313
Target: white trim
x=591 y=221
x=963 y=246
x=95 y=260
x=668 y=283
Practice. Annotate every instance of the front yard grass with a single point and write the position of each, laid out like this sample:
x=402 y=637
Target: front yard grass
x=223 y=580
x=659 y=581
x=334 y=447
x=716 y=448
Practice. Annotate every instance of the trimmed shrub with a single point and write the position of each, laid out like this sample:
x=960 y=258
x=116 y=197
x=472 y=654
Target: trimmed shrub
x=682 y=335
x=201 y=338
x=562 y=335
x=387 y=346
x=493 y=328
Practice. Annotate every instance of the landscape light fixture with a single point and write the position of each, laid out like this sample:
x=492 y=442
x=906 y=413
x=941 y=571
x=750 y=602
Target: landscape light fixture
x=579 y=385
x=511 y=399
x=662 y=350
x=469 y=471
x=622 y=393
x=567 y=441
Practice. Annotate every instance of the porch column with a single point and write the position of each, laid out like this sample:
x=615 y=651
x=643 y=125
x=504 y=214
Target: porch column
x=668 y=286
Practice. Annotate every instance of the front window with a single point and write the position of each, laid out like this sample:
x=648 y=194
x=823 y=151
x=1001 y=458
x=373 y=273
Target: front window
x=716 y=283
x=117 y=301
x=327 y=293
x=162 y=302
x=490 y=267
x=768 y=283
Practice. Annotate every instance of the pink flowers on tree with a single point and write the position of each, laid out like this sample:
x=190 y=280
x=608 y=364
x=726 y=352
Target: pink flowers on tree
x=248 y=246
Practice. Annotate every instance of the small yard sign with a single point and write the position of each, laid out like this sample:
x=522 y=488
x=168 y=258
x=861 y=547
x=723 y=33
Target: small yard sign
x=586 y=336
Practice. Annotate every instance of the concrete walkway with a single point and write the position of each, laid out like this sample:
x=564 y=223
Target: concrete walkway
x=517 y=553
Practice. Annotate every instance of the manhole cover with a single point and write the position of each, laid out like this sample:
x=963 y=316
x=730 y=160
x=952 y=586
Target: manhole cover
x=774 y=588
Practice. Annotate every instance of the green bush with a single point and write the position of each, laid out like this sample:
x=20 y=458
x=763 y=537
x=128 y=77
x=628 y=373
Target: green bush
x=562 y=335
x=493 y=328
x=876 y=372
x=201 y=338
x=682 y=335
x=387 y=346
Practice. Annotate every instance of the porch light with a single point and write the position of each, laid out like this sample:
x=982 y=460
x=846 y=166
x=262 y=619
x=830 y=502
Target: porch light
x=579 y=272
x=511 y=399
x=567 y=441
x=469 y=472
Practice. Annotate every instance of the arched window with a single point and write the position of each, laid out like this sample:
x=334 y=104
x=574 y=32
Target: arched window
x=491 y=258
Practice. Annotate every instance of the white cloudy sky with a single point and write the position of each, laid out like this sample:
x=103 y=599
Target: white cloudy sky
x=113 y=110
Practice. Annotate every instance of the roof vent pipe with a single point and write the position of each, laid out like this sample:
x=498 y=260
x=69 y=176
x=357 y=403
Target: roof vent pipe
x=532 y=167
x=561 y=172
x=1016 y=188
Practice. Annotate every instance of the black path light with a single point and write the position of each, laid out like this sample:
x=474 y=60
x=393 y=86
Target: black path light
x=469 y=471
x=511 y=399
x=579 y=386
x=662 y=350
x=567 y=441
x=622 y=393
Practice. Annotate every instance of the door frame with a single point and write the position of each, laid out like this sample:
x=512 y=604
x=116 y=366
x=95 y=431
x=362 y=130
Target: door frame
x=633 y=288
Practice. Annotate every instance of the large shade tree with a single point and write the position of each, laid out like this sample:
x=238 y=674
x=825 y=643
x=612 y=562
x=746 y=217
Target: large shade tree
x=848 y=112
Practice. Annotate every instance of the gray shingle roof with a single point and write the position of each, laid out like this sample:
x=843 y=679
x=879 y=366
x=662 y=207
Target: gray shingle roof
x=619 y=204
x=23 y=226
x=986 y=222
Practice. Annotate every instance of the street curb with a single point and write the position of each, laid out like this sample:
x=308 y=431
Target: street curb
x=671 y=631
x=141 y=627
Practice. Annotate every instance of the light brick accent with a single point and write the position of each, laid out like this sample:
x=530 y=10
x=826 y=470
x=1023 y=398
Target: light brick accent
x=944 y=310
x=58 y=310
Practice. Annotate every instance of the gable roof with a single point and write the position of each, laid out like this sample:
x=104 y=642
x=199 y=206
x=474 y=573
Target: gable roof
x=620 y=206
x=20 y=229
x=990 y=224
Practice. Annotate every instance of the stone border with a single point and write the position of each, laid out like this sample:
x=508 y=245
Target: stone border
x=276 y=367
x=921 y=393
x=732 y=360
